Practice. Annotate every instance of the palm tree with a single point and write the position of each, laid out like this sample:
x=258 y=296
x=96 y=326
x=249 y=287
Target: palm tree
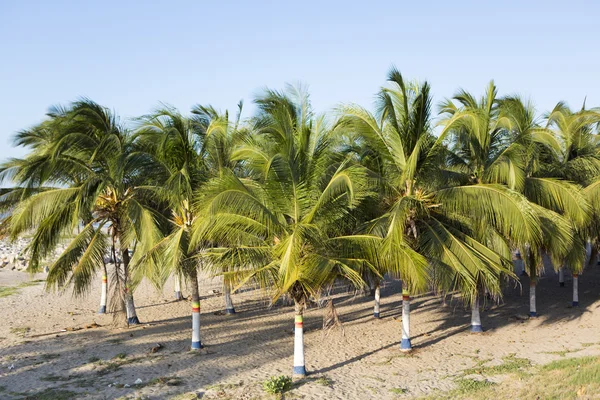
x=41 y=169
x=282 y=225
x=424 y=226
x=577 y=160
x=497 y=141
x=186 y=152
x=90 y=144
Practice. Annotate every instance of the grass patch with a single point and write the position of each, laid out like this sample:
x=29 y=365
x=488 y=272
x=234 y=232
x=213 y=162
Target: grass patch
x=324 y=381
x=166 y=380
x=6 y=291
x=466 y=386
x=571 y=378
x=92 y=360
x=219 y=387
x=511 y=363
x=20 y=331
x=120 y=356
x=399 y=391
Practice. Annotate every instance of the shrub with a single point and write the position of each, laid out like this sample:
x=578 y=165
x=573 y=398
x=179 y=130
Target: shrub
x=277 y=384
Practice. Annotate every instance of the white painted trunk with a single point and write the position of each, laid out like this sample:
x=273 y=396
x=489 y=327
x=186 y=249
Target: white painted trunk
x=177 y=288
x=196 y=342
x=229 y=309
x=132 y=318
x=405 y=344
x=561 y=276
x=475 y=317
x=103 y=295
x=299 y=366
x=532 y=309
x=575 y=290
x=377 y=299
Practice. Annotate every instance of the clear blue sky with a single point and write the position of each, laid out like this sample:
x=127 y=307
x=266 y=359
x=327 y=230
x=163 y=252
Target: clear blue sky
x=131 y=55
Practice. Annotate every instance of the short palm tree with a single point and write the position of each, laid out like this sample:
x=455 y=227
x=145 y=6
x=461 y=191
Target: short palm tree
x=282 y=225
x=90 y=145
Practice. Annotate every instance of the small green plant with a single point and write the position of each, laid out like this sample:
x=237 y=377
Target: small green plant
x=277 y=384
x=120 y=356
x=399 y=391
x=324 y=381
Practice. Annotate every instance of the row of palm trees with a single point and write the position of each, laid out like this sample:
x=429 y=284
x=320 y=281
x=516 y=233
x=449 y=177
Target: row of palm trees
x=294 y=202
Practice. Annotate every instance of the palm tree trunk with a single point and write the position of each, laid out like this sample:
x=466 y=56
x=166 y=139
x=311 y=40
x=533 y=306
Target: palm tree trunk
x=377 y=297
x=561 y=276
x=132 y=318
x=196 y=342
x=177 y=289
x=405 y=343
x=532 y=299
x=104 y=293
x=575 y=290
x=299 y=366
x=229 y=309
x=475 y=317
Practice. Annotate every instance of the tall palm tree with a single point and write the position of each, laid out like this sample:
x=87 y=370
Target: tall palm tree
x=424 y=226
x=283 y=224
x=91 y=145
x=186 y=151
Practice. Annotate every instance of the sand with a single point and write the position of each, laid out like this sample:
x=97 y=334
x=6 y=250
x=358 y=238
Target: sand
x=364 y=361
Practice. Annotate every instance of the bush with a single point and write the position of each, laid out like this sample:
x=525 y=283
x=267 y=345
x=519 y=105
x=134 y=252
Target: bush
x=277 y=384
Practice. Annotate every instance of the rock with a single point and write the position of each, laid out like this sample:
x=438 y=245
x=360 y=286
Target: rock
x=138 y=381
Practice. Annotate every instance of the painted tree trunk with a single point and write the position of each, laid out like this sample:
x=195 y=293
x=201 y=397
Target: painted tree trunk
x=132 y=318
x=405 y=343
x=196 y=342
x=103 y=293
x=229 y=309
x=377 y=298
x=532 y=300
x=299 y=366
x=575 y=290
x=177 y=289
x=561 y=277
x=475 y=317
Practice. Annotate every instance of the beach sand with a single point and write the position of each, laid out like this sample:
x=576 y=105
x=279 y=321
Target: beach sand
x=242 y=350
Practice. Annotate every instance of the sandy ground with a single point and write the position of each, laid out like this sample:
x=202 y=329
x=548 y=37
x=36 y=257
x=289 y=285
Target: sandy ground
x=244 y=349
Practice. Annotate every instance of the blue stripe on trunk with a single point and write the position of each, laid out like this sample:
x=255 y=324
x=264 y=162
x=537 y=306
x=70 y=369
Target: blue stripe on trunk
x=300 y=371
x=575 y=304
x=102 y=310
x=133 y=321
x=532 y=314
x=405 y=344
x=230 y=310
x=376 y=314
x=196 y=345
x=476 y=329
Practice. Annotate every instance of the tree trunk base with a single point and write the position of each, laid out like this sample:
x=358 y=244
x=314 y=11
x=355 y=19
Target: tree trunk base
x=102 y=310
x=299 y=372
x=133 y=321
